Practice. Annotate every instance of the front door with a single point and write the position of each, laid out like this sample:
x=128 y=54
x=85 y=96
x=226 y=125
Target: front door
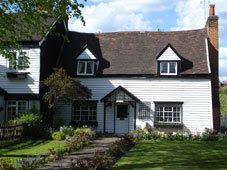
x=122 y=119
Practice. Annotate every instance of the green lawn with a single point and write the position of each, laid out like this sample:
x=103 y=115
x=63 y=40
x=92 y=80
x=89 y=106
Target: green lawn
x=175 y=155
x=223 y=100
x=25 y=149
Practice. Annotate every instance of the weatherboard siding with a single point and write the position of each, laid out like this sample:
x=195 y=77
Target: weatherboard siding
x=28 y=85
x=169 y=55
x=194 y=93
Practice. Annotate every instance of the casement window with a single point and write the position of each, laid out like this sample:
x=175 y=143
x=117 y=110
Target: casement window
x=19 y=62
x=85 y=112
x=144 y=110
x=16 y=107
x=85 y=67
x=168 y=113
x=168 y=68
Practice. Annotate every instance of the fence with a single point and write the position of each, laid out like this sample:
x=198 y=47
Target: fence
x=9 y=131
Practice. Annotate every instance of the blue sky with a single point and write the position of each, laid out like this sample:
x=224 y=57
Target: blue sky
x=149 y=15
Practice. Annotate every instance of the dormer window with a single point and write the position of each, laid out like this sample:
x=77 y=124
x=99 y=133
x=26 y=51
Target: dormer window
x=85 y=68
x=168 y=68
x=168 y=61
x=87 y=63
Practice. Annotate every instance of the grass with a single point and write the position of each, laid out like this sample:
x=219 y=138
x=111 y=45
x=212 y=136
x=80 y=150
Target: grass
x=12 y=151
x=223 y=100
x=175 y=155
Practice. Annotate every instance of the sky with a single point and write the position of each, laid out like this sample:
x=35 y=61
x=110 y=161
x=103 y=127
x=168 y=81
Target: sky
x=151 y=15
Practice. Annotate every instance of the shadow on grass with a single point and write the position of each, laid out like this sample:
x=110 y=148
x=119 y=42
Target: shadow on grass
x=175 y=154
x=19 y=145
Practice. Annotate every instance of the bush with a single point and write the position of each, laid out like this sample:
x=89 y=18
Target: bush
x=4 y=165
x=30 y=119
x=209 y=135
x=68 y=131
x=87 y=131
x=58 y=136
x=78 y=141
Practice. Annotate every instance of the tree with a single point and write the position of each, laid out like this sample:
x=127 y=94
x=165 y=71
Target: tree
x=25 y=18
x=62 y=87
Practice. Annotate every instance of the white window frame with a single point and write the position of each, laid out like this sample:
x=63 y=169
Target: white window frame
x=168 y=68
x=16 y=105
x=89 y=114
x=163 y=105
x=17 y=56
x=85 y=69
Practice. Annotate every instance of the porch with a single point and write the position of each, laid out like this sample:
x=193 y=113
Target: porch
x=119 y=111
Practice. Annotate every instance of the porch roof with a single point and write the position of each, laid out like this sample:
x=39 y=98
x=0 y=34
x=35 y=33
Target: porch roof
x=119 y=93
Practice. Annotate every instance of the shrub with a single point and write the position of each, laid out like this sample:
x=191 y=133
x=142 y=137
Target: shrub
x=58 y=136
x=78 y=141
x=209 y=135
x=4 y=165
x=30 y=119
x=68 y=131
x=87 y=131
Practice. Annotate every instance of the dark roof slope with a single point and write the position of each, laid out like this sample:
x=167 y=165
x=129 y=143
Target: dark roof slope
x=35 y=36
x=136 y=52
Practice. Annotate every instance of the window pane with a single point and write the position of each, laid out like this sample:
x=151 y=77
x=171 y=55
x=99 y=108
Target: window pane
x=164 y=67
x=81 y=68
x=90 y=68
x=12 y=62
x=84 y=112
x=22 y=107
x=168 y=113
x=172 y=67
x=21 y=63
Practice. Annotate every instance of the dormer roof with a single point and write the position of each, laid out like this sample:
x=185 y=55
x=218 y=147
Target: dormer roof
x=86 y=54
x=169 y=54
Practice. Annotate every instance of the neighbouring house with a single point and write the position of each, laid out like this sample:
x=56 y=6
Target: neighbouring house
x=167 y=80
x=223 y=84
x=140 y=79
x=20 y=86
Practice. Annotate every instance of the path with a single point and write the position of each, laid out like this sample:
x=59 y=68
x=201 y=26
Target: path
x=101 y=144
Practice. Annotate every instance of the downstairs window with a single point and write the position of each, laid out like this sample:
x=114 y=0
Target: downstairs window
x=16 y=107
x=85 y=112
x=168 y=113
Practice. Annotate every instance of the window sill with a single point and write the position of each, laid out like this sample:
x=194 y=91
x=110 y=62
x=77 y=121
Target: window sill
x=15 y=74
x=169 y=125
x=84 y=123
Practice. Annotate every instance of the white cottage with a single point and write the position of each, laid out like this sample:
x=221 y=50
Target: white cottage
x=20 y=90
x=138 y=79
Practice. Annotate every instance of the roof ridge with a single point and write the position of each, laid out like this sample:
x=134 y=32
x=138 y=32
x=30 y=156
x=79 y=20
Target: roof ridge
x=117 y=32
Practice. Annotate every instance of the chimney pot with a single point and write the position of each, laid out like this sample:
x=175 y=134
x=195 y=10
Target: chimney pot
x=212 y=10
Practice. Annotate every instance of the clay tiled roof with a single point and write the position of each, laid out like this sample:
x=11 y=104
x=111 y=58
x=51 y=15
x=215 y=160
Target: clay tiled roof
x=134 y=53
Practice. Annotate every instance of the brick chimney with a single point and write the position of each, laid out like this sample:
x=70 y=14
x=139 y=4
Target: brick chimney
x=212 y=33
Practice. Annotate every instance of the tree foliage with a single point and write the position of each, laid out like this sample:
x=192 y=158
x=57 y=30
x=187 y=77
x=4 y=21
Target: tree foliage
x=26 y=18
x=62 y=87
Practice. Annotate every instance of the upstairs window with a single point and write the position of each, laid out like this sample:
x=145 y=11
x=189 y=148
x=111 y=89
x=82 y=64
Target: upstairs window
x=85 y=68
x=168 y=68
x=18 y=62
